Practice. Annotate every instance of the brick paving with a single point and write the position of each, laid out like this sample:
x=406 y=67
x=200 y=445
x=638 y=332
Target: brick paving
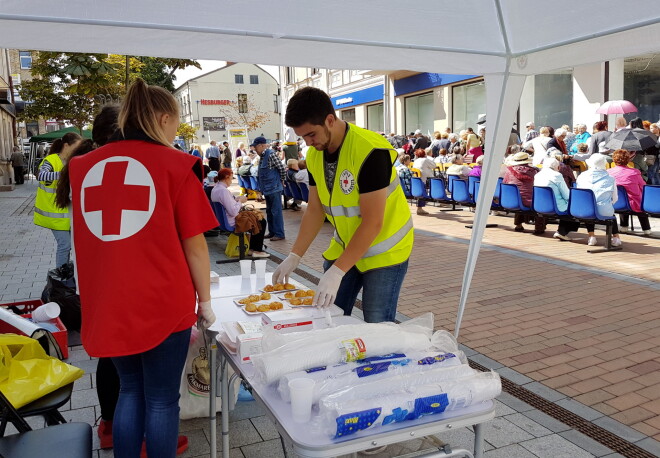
x=578 y=329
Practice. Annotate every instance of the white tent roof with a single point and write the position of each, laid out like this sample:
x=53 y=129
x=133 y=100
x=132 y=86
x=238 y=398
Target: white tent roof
x=504 y=40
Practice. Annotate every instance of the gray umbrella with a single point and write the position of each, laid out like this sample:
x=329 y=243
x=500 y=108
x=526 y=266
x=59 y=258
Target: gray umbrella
x=631 y=140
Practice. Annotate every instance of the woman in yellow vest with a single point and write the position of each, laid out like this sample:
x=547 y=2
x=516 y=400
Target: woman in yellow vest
x=352 y=183
x=46 y=213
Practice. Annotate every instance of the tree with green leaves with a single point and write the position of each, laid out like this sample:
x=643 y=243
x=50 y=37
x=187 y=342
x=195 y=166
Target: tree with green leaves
x=73 y=86
x=187 y=132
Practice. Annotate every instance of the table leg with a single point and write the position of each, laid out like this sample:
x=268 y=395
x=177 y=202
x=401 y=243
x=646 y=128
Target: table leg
x=479 y=440
x=213 y=354
x=225 y=407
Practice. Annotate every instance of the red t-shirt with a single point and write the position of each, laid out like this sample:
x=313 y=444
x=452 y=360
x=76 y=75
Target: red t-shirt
x=133 y=204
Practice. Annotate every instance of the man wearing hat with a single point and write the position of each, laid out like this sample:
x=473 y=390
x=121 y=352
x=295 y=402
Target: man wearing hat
x=521 y=172
x=352 y=183
x=271 y=175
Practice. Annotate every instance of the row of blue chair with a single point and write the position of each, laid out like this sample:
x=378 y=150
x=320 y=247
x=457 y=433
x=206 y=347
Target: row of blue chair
x=582 y=206
x=455 y=192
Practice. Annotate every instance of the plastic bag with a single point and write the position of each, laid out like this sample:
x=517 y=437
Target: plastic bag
x=354 y=409
x=385 y=369
x=233 y=245
x=61 y=288
x=28 y=373
x=195 y=380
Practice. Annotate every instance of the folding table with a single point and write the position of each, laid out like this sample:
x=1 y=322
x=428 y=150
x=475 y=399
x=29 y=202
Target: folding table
x=305 y=442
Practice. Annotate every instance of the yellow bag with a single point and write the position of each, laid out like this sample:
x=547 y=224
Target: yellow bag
x=28 y=373
x=232 y=250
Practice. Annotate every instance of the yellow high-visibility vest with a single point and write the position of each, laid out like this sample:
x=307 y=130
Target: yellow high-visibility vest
x=394 y=242
x=46 y=213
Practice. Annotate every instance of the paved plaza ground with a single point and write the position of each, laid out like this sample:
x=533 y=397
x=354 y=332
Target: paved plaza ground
x=574 y=335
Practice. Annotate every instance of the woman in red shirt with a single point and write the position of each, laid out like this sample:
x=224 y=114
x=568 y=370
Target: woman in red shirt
x=139 y=214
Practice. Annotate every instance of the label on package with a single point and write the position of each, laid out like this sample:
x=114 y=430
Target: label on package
x=353 y=349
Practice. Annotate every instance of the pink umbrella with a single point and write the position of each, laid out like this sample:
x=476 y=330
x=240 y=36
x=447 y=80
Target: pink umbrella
x=616 y=107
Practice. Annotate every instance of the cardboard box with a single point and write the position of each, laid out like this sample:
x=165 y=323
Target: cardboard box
x=297 y=319
x=248 y=345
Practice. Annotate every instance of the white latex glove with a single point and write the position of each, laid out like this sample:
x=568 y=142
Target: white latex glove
x=281 y=274
x=326 y=291
x=205 y=315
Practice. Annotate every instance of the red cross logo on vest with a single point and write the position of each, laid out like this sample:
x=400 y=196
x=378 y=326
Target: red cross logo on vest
x=118 y=198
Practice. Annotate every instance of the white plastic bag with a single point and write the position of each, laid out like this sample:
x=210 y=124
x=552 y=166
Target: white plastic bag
x=383 y=369
x=195 y=380
x=354 y=409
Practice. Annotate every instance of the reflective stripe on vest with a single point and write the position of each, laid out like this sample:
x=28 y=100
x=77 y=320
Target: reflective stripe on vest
x=338 y=210
x=50 y=214
x=46 y=188
x=389 y=243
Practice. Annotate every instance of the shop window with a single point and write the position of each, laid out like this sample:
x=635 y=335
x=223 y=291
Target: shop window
x=254 y=79
x=419 y=113
x=375 y=117
x=26 y=59
x=238 y=79
x=553 y=99
x=348 y=115
x=641 y=85
x=242 y=103
x=469 y=101
x=276 y=108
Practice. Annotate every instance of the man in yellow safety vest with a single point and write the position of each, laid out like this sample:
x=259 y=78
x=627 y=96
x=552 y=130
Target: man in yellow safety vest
x=352 y=183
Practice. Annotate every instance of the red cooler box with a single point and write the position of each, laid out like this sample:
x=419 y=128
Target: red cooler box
x=25 y=307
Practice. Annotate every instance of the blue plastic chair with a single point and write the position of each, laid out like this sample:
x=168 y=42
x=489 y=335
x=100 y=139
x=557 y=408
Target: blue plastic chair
x=582 y=206
x=471 y=182
x=221 y=216
x=461 y=195
x=418 y=189
x=511 y=200
x=304 y=189
x=295 y=190
x=286 y=190
x=407 y=187
x=497 y=195
x=622 y=205
x=651 y=200
x=254 y=184
x=544 y=202
x=450 y=181
x=243 y=182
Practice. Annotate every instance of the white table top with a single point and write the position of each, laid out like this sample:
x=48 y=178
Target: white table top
x=235 y=285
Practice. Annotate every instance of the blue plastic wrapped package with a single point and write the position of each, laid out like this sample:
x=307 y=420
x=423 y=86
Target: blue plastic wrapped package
x=366 y=406
x=329 y=379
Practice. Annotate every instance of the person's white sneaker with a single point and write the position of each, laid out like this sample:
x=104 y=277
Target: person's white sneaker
x=592 y=241
x=565 y=238
x=616 y=241
x=624 y=229
x=647 y=232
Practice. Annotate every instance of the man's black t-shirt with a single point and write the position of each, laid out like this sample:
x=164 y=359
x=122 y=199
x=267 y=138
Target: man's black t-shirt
x=375 y=173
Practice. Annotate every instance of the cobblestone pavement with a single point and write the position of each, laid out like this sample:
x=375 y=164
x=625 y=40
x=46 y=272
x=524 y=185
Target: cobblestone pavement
x=576 y=331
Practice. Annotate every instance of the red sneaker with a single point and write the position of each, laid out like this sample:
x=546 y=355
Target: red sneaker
x=181 y=446
x=105 y=434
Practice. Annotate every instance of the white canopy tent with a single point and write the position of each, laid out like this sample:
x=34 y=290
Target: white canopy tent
x=504 y=40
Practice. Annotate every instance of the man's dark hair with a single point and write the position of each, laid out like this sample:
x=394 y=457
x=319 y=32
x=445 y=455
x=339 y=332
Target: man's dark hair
x=308 y=104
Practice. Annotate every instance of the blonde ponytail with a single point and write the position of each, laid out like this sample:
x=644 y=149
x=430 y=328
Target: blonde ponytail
x=141 y=108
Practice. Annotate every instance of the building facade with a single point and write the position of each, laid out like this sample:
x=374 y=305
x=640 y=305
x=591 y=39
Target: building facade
x=7 y=123
x=236 y=96
x=403 y=101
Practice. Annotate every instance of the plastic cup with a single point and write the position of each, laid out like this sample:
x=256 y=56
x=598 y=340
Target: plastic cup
x=46 y=312
x=301 y=390
x=246 y=267
x=260 y=267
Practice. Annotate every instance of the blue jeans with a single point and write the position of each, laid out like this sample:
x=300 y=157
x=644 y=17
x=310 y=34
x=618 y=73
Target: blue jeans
x=148 y=406
x=380 y=291
x=274 y=214
x=63 y=240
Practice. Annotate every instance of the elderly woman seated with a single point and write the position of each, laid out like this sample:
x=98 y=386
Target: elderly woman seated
x=458 y=168
x=549 y=176
x=476 y=170
x=602 y=184
x=631 y=179
x=521 y=173
x=232 y=206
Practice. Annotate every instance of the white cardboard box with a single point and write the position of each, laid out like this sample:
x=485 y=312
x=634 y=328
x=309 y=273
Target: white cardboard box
x=248 y=345
x=297 y=319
